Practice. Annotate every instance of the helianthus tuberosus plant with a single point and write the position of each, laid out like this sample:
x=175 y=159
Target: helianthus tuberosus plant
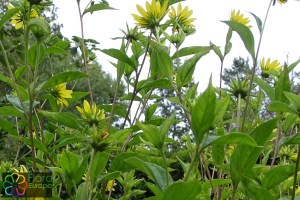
x=118 y=151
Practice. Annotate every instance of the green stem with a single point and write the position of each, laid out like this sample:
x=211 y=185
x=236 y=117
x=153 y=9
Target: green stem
x=238 y=113
x=191 y=165
x=88 y=175
x=166 y=166
x=83 y=48
x=255 y=65
x=295 y=174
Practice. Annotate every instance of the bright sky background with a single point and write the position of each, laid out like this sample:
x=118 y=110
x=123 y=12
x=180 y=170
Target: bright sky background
x=281 y=37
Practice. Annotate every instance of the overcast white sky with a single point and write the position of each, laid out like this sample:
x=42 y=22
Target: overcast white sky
x=281 y=38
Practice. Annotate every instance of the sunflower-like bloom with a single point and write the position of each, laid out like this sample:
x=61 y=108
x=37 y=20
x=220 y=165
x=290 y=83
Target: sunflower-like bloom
x=152 y=16
x=239 y=18
x=61 y=94
x=239 y=88
x=181 y=17
x=281 y=1
x=110 y=184
x=18 y=19
x=91 y=114
x=269 y=66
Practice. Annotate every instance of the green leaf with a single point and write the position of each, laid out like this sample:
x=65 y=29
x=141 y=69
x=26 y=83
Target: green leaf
x=8 y=127
x=282 y=85
x=119 y=55
x=66 y=119
x=186 y=51
x=70 y=139
x=277 y=106
x=82 y=191
x=266 y=87
x=59 y=78
x=161 y=65
x=244 y=157
x=186 y=71
x=294 y=139
x=10 y=111
x=120 y=136
x=98 y=165
x=245 y=34
x=32 y=55
x=153 y=171
x=221 y=108
x=217 y=51
x=97 y=7
x=203 y=113
x=151 y=134
x=277 y=175
x=289 y=122
x=119 y=109
x=55 y=50
x=69 y=162
x=150 y=111
x=230 y=138
x=151 y=84
x=293 y=98
x=20 y=72
x=258 y=22
x=254 y=190
x=182 y=190
x=293 y=65
x=39 y=26
x=8 y=14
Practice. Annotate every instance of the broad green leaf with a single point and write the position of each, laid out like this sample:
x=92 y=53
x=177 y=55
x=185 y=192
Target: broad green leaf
x=119 y=109
x=120 y=64
x=59 y=78
x=97 y=7
x=230 y=138
x=120 y=136
x=293 y=65
x=152 y=134
x=266 y=87
x=186 y=71
x=20 y=72
x=293 y=98
x=244 y=157
x=282 y=85
x=245 y=34
x=150 y=111
x=252 y=189
x=161 y=65
x=151 y=84
x=98 y=165
x=221 y=108
x=119 y=55
x=277 y=106
x=294 y=139
x=63 y=141
x=186 y=51
x=8 y=126
x=156 y=173
x=277 y=175
x=10 y=111
x=289 y=122
x=107 y=176
x=258 y=22
x=66 y=119
x=203 y=113
x=32 y=55
x=82 y=191
x=8 y=15
x=118 y=163
x=55 y=50
x=182 y=190
x=39 y=26
x=156 y=190
x=69 y=162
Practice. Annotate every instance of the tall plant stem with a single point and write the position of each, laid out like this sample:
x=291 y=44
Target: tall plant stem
x=255 y=64
x=221 y=72
x=238 y=113
x=134 y=93
x=295 y=174
x=83 y=48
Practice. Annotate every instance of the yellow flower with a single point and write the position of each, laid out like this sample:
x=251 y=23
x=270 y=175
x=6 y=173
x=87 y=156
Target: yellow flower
x=91 y=114
x=181 y=16
x=239 y=18
x=110 y=184
x=152 y=16
x=269 y=66
x=61 y=93
x=18 y=19
x=282 y=1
